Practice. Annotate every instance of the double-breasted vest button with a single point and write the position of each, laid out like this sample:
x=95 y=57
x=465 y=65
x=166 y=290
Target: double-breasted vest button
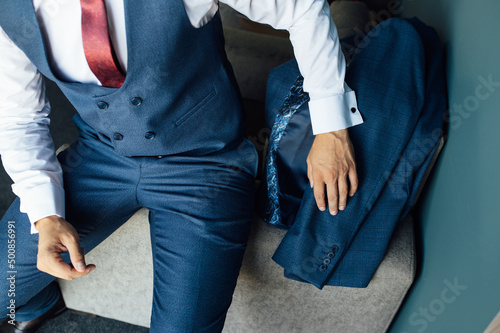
x=353 y=110
x=136 y=101
x=102 y=105
x=149 y=135
x=118 y=136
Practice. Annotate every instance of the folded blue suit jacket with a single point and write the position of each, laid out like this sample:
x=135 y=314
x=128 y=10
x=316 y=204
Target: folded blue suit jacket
x=398 y=74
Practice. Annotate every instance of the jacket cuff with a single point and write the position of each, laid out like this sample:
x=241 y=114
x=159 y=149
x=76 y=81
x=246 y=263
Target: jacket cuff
x=334 y=113
x=42 y=201
x=314 y=266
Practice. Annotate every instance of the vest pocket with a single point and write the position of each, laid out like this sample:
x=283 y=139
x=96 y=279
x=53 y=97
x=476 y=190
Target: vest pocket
x=197 y=107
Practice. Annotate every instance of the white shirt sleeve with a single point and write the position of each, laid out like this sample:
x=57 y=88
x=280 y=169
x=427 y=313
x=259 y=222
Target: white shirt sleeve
x=317 y=49
x=26 y=146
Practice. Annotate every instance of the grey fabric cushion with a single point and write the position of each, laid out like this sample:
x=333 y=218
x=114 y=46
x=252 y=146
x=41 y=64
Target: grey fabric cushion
x=264 y=301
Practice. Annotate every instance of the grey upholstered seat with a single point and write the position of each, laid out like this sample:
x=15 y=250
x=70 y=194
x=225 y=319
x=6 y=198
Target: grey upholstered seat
x=265 y=301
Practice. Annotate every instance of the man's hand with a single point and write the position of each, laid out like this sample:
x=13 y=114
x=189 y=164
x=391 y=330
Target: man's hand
x=330 y=164
x=56 y=236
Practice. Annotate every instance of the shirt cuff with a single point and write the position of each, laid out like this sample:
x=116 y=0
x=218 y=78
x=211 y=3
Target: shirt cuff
x=334 y=113
x=42 y=201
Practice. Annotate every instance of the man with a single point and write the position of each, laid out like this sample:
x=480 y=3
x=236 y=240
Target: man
x=160 y=127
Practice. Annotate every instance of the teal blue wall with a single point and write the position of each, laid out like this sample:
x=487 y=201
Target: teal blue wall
x=460 y=219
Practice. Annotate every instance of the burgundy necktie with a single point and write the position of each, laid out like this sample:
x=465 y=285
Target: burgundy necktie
x=97 y=44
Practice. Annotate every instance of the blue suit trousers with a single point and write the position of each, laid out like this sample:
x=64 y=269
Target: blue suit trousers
x=200 y=209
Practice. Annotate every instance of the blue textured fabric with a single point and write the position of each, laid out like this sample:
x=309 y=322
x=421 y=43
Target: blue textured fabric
x=37 y=306
x=398 y=74
x=200 y=216
x=178 y=72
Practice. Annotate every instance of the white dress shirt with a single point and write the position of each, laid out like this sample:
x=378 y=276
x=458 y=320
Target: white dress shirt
x=25 y=143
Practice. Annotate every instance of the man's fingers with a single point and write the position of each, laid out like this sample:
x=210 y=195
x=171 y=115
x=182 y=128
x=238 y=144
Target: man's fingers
x=310 y=174
x=331 y=162
x=333 y=197
x=343 y=188
x=72 y=243
x=54 y=265
x=319 y=194
x=353 y=180
x=55 y=237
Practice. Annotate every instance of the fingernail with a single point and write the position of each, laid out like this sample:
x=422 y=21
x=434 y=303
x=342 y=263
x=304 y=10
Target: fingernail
x=80 y=266
x=322 y=208
x=341 y=207
x=333 y=212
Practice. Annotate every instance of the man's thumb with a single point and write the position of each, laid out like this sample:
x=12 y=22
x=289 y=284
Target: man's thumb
x=76 y=256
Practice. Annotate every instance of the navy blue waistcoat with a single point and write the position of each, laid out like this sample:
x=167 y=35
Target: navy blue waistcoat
x=179 y=94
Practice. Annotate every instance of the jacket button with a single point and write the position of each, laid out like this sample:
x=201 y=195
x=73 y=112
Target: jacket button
x=330 y=254
x=335 y=248
x=149 y=135
x=102 y=105
x=322 y=267
x=353 y=110
x=326 y=261
x=118 y=136
x=136 y=101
